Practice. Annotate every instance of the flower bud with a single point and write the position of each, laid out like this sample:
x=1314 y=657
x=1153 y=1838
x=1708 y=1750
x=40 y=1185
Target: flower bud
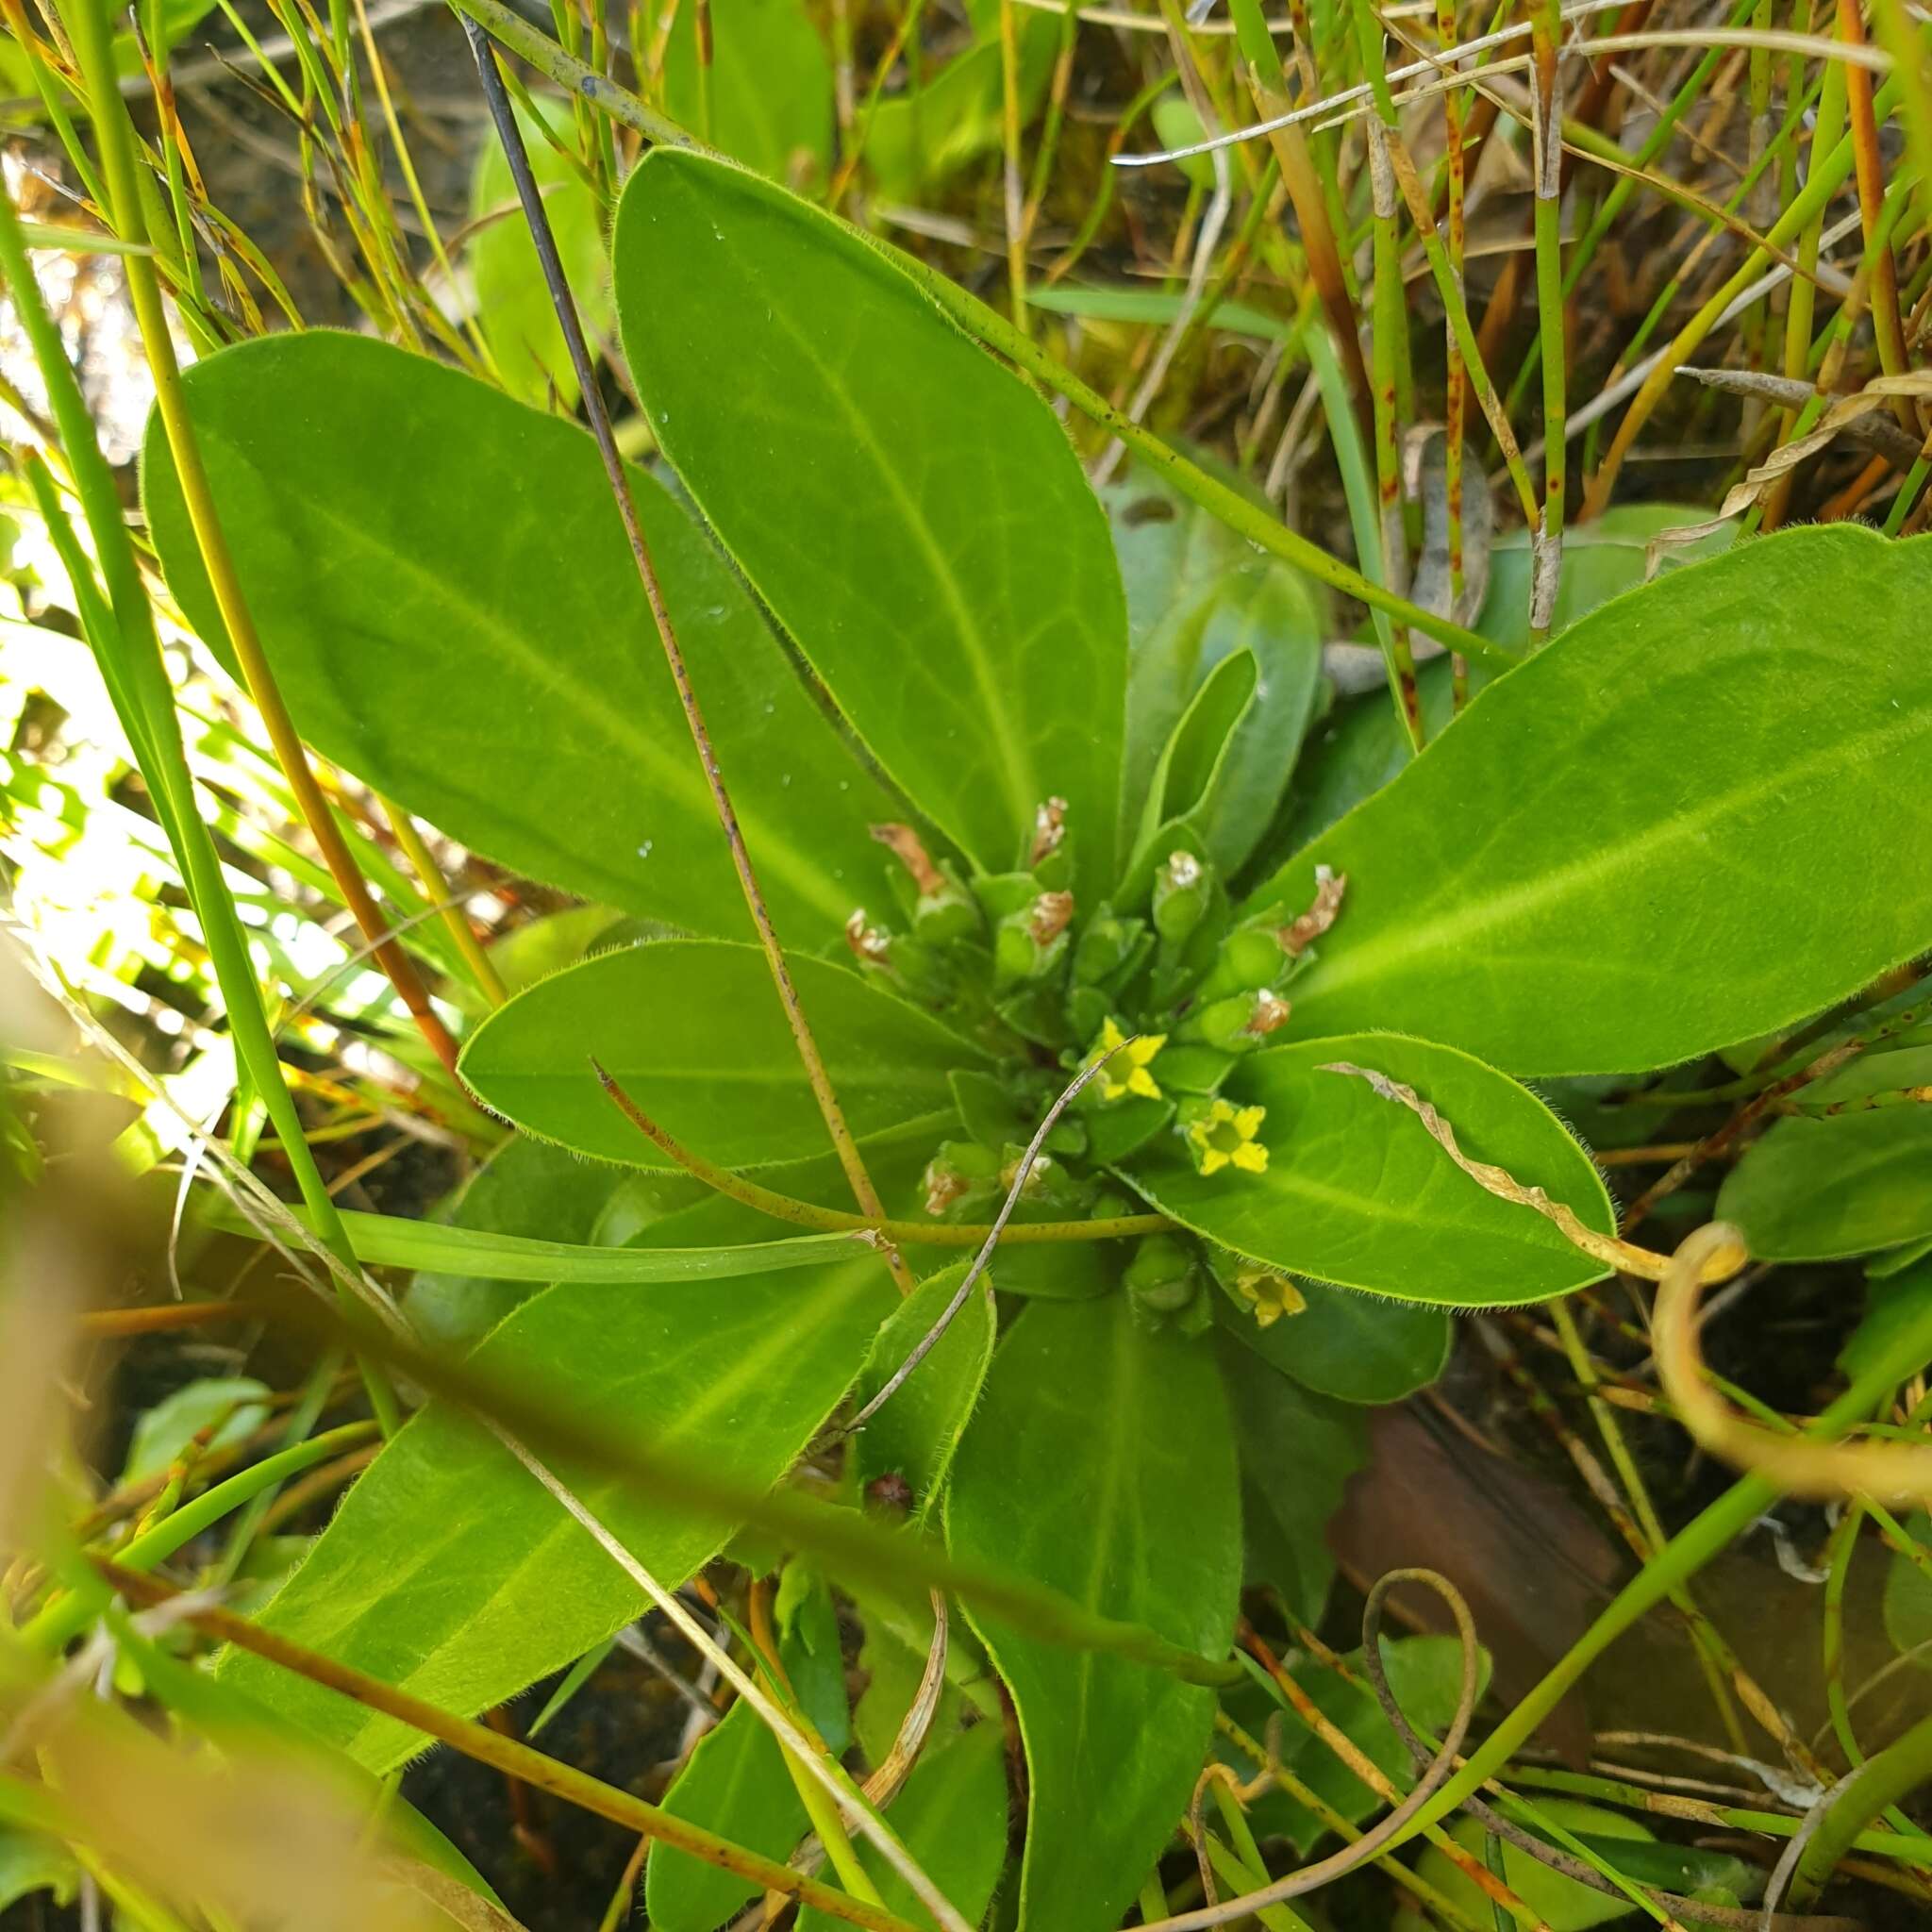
x=1030 y=943
x=1237 y=1024
x=960 y=1176
x=1182 y=891
x=1160 y=1277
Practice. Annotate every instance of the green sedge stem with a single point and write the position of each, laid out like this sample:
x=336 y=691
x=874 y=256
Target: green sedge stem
x=65 y=1619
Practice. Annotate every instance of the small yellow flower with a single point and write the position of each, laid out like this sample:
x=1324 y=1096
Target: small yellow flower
x=1127 y=1072
x=1223 y=1135
x=1270 y=1297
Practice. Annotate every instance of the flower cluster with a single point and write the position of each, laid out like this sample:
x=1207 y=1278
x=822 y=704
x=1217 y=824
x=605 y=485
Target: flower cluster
x=1158 y=995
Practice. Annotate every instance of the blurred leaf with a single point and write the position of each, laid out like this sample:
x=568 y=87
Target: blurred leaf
x=723 y=1075
x=771 y=87
x=236 y=1406
x=1891 y=1304
x=1101 y=1462
x=481 y=651
x=919 y=139
x=1909 y=1593
x=31 y=1863
x=513 y=308
x=1819 y=1189
x=450 y=1572
x=1601 y=559
x=1549 y=882
x=1358 y=1193
x=910 y=510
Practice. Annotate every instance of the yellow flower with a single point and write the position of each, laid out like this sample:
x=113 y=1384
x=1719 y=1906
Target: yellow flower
x=1272 y=1296
x=1127 y=1072
x=1223 y=1135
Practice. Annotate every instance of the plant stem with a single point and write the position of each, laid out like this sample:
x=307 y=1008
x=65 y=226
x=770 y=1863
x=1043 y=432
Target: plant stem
x=938 y=1234
x=63 y=1619
x=115 y=132
x=1854 y=1802
x=511 y=1756
x=1546 y=97
x=488 y=982
x=562 y=300
x=122 y=632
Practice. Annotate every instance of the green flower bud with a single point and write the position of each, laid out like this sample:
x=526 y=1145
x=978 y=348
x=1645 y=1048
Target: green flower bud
x=1031 y=941
x=1160 y=1277
x=960 y=1178
x=1251 y=955
x=1237 y=1024
x=1182 y=891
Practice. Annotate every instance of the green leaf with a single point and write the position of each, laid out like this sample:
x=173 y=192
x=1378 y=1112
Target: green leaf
x=1357 y=1191
x=530 y=1190
x=918 y=138
x=736 y=1784
x=694 y=1032
x=913 y=512
x=513 y=308
x=1820 y=1190
x=1197 y=595
x=1892 y=1302
x=1342 y=1344
x=1907 y=1601
x=914 y=1436
x=450 y=1572
x=1101 y=1462
x=770 y=91
x=474 y=642
x=1298 y=1450
x=809 y=1641
x=952 y=1816
x=1685 y=776
x=231 y=1408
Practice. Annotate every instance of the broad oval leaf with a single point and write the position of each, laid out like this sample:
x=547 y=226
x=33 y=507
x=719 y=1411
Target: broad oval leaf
x=475 y=643
x=1358 y=1192
x=912 y=512
x=1686 y=778
x=1102 y=1463
x=694 y=1032
x=450 y=1572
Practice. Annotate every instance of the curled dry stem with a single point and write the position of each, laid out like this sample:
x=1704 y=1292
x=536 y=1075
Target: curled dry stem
x=1325 y=1870
x=1889 y=1471
x=1659 y=1904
